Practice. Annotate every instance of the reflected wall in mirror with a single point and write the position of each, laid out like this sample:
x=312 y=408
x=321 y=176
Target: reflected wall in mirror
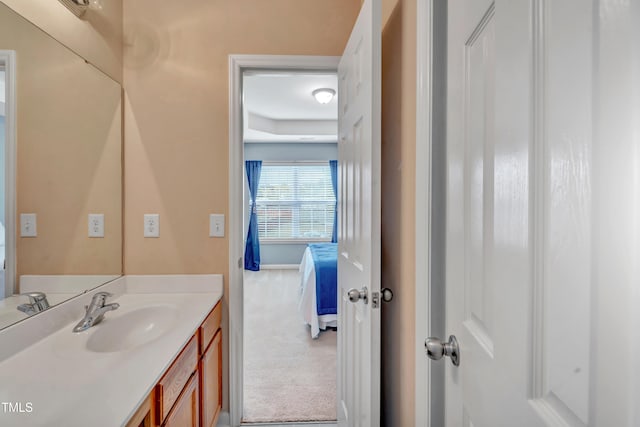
x=68 y=140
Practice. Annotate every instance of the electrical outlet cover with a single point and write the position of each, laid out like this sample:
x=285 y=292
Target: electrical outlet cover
x=151 y=225
x=28 y=225
x=96 y=225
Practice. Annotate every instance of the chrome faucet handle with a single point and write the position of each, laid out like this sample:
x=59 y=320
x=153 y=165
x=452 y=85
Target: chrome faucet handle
x=102 y=294
x=100 y=298
x=95 y=311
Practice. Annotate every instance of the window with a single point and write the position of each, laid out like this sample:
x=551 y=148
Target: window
x=295 y=202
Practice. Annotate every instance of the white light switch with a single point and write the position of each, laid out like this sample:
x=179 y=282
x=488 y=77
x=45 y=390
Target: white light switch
x=96 y=225
x=28 y=226
x=151 y=225
x=216 y=225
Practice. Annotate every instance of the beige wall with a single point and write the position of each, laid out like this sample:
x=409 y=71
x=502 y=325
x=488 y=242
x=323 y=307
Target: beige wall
x=398 y=210
x=97 y=36
x=69 y=147
x=176 y=113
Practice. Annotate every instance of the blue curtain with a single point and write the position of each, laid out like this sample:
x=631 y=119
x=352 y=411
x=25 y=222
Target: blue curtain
x=252 y=248
x=333 y=165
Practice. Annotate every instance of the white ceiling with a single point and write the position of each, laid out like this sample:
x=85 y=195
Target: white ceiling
x=279 y=107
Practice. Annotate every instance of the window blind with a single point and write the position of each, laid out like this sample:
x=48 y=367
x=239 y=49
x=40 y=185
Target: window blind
x=295 y=202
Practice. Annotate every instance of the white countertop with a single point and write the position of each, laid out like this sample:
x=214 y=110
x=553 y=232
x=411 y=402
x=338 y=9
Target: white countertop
x=68 y=385
x=58 y=288
x=9 y=313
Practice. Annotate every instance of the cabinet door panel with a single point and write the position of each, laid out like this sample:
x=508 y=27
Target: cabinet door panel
x=173 y=382
x=144 y=416
x=211 y=381
x=210 y=326
x=185 y=412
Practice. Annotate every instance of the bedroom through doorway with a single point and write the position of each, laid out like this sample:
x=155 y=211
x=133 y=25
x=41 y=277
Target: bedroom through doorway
x=290 y=276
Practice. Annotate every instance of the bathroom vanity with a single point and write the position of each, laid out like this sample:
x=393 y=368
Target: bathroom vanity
x=154 y=361
x=190 y=391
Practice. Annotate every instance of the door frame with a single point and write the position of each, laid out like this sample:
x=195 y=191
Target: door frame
x=237 y=65
x=8 y=57
x=430 y=180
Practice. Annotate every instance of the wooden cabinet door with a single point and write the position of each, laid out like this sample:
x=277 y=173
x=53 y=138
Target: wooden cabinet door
x=211 y=381
x=185 y=412
x=144 y=416
x=170 y=387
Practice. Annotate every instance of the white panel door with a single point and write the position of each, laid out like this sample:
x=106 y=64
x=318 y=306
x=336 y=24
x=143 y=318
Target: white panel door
x=543 y=213
x=359 y=222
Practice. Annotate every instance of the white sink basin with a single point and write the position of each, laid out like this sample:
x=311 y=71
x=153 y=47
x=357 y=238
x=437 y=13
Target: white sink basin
x=125 y=331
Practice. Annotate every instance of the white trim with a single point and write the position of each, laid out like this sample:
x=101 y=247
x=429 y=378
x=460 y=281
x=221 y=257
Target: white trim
x=280 y=266
x=237 y=64
x=430 y=204
x=423 y=196
x=538 y=213
x=223 y=420
x=296 y=162
x=292 y=241
x=299 y=141
x=304 y=424
x=9 y=59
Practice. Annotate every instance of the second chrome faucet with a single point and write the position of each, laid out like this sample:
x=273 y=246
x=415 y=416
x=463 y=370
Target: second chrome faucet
x=95 y=311
x=37 y=303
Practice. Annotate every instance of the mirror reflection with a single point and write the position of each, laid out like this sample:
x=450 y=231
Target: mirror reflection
x=60 y=172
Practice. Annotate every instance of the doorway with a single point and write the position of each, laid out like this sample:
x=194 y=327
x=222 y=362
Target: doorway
x=239 y=64
x=289 y=145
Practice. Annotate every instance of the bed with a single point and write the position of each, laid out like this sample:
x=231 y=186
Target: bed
x=318 y=302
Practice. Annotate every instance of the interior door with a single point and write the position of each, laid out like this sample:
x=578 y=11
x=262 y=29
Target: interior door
x=542 y=213
x=359 y=222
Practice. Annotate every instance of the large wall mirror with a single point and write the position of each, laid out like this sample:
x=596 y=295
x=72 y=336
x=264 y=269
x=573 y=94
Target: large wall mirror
x=61 y=160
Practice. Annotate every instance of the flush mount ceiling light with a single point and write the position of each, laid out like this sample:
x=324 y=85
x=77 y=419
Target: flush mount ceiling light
x=323 y=95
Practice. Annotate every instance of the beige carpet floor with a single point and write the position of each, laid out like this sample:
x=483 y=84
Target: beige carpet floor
x=287 y=375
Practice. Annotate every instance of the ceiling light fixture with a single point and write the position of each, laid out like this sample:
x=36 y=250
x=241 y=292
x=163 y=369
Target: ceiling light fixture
x=79 y=7
x=323 y=95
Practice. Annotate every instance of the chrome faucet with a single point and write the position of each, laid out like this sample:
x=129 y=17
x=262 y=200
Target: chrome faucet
x=95 y=311
x=37 y=303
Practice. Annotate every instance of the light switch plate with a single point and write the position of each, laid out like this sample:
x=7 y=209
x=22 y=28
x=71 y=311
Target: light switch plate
x=216 y=225
x=151 y=225
x=28 y=225
x=96 y=225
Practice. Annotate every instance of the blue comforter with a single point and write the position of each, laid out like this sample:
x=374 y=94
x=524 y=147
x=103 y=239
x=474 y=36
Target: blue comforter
x=325 y=260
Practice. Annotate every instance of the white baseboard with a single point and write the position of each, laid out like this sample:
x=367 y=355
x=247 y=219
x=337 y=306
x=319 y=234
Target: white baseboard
x=308 y=424
x=280 y=267
x=225 y=421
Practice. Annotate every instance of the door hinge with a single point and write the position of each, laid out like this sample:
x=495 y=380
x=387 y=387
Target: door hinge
x=375 y=299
